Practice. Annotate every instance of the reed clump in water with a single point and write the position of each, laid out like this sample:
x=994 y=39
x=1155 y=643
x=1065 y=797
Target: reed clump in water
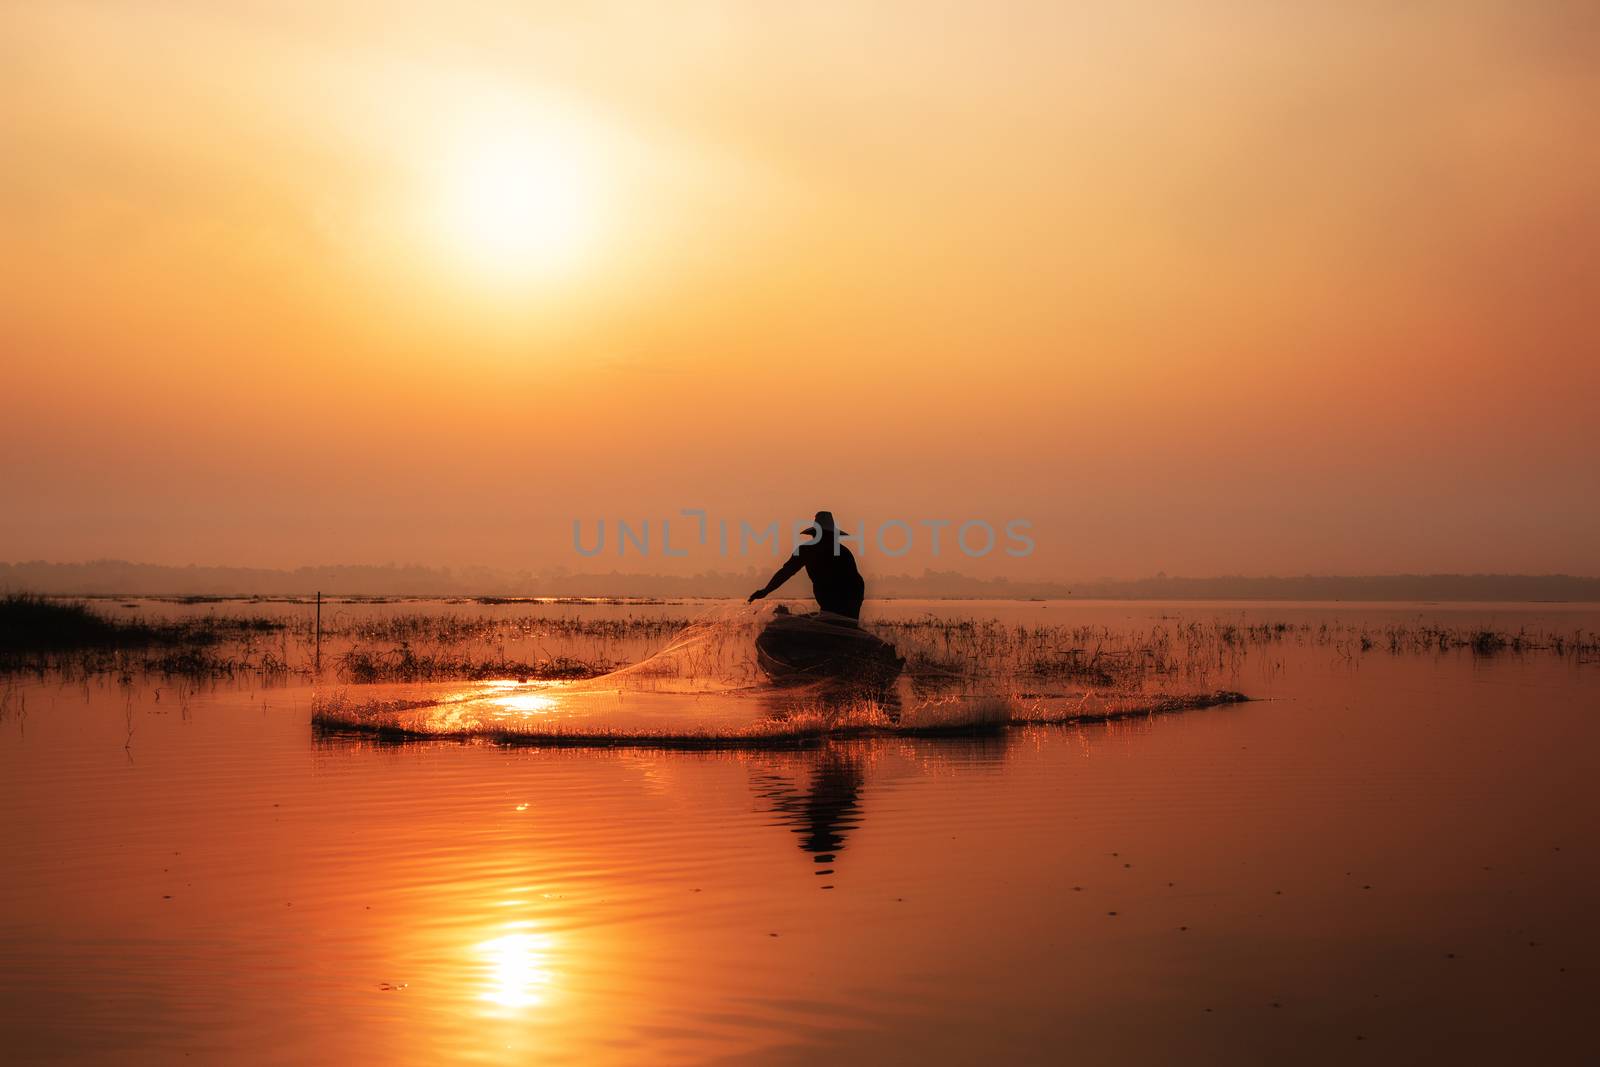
x=30 y=622
x=41 y=634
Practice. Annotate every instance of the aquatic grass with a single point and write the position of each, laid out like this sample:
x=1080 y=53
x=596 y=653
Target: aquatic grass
x=940 y=650
x=13 y=703
x=1486 y=643
x=42 y=634
x=405 y=664
x=29 y=622
x=455 y=628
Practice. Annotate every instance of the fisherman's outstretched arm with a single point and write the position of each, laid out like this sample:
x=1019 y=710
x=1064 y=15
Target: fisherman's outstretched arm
x=783 y=574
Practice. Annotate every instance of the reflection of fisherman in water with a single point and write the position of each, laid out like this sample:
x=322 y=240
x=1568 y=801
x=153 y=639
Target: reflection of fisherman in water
x=835 y=582
x=817 y=794
x=826 y=810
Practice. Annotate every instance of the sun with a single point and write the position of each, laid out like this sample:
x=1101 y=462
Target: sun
x=518 y=198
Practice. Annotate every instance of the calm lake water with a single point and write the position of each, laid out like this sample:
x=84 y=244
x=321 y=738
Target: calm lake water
x=1388 y=858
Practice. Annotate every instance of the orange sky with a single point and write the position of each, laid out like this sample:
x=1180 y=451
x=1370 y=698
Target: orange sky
x=1202 y=287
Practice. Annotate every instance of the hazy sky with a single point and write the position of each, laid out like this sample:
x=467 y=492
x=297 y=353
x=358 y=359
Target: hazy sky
x=1206 y=287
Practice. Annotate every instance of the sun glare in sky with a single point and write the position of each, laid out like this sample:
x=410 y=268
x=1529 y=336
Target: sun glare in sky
x=517 y=197
x=625 y=247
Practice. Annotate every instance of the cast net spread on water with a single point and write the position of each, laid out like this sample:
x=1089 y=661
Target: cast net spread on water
x=734 y=675
x=715 y=653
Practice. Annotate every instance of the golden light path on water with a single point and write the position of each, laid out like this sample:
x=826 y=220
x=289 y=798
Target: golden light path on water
x=519 y=704
x=515 y=967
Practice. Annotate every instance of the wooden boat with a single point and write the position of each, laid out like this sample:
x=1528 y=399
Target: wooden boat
x=801 y=648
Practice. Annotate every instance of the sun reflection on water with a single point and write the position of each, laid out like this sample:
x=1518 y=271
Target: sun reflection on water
x=518 y=702
x=526 y=703
x=517 y=972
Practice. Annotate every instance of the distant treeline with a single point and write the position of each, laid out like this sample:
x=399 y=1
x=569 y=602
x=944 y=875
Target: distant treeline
x=119 y=577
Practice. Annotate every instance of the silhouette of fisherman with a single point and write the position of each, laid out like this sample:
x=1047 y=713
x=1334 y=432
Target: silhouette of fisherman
x=835 y=582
